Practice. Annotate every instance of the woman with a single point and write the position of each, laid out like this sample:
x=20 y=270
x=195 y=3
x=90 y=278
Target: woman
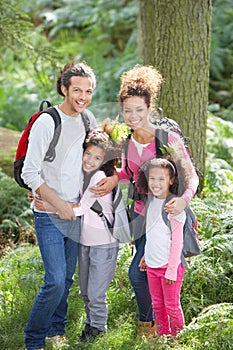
x=137 y=96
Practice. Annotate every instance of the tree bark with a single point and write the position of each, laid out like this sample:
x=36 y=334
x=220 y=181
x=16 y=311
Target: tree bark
x=175 y=38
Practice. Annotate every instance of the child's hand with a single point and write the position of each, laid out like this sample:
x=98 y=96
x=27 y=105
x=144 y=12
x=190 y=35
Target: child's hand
x=142 y=264
x=39 y=204
x=175 y=206
x=169 y=281
x=42 y=205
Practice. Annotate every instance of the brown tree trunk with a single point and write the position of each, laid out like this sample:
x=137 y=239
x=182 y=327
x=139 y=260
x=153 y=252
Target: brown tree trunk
x=175 y=38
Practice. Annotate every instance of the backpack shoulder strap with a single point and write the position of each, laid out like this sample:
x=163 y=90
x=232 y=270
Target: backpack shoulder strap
x=86 y=121
x=116 y=198
x=161 y=140
x=98 y=209
x=126 y=146
x=51 y=154
x=164 y=213
x=43 y=102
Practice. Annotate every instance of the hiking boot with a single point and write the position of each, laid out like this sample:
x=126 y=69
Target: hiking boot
x=148 y=329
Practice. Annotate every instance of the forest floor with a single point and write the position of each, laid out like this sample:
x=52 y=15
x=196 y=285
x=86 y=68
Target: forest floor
x=8 y=141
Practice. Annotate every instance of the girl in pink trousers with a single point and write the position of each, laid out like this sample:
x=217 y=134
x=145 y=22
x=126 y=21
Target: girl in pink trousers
x=162 y=259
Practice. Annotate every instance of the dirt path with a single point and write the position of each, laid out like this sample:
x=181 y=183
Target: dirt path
x=8 y=141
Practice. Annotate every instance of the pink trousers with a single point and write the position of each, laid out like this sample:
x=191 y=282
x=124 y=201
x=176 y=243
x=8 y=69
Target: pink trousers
x=166 y=300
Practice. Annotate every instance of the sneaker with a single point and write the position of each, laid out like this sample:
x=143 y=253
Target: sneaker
x=89 y=333
x=94 y=332
x=85 y=333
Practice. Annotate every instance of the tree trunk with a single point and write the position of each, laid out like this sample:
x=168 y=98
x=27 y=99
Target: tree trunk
x=175 y=38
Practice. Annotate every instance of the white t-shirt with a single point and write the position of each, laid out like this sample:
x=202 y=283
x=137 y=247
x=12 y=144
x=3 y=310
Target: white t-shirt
x=158 y=235
x=140 y=146
x=64 y=174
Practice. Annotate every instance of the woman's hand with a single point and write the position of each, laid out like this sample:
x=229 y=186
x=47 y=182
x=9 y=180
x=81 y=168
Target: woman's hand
x=175 y=206
x=142 y=264
x=104 y=186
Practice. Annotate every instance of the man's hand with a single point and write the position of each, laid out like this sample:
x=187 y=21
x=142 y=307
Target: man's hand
x=175 y=206
x=104 y=186
x=62 y=208
x=65 y=211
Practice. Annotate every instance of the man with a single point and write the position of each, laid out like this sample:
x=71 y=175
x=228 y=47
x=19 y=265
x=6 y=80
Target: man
x=58 y=182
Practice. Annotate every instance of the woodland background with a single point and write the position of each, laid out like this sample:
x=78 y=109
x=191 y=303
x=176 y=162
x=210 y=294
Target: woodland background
x=37 y=39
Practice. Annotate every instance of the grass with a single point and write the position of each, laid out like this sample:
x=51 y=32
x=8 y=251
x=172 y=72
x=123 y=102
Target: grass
x=22 y=274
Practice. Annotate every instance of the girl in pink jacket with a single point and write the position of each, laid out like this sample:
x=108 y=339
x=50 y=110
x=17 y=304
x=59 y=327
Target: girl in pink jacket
x=162 y=259
x=98 y=249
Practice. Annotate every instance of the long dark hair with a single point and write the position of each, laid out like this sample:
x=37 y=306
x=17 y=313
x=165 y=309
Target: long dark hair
x=112 y=152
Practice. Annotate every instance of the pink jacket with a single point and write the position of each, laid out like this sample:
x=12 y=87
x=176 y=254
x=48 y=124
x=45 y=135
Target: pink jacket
x=93 y=229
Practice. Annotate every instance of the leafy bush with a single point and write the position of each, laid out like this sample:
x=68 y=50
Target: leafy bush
x=221 y=68
x=212 y=329
x=15 y=216
x=209 y=278
x=86 y=25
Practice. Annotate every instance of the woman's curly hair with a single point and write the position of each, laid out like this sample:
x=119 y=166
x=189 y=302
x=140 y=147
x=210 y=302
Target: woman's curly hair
x=164 y=162
x=143 y=81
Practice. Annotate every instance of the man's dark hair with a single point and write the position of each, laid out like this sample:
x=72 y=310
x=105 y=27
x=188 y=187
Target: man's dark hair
x=74 y=70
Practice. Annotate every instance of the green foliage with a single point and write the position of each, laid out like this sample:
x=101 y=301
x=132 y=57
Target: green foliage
x=15 y=215
x=14 y=26
x=208 y=279
x=221 y=59
x=119 y=131
x=107 y=35
x=212 y=329
x=20 y=278
x=78 y=31
x=21 y=274
x=21 y=99
x=102 y=33
x=219 y=141
x=19 y=36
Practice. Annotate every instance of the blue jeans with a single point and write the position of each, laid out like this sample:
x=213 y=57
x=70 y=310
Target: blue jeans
x=59 y=254
x=138 y=278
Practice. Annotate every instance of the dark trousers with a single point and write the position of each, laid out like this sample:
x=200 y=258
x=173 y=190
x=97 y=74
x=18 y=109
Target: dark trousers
x=138 y=278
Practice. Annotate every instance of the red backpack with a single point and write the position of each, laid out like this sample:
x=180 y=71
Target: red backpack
x=51 y=153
